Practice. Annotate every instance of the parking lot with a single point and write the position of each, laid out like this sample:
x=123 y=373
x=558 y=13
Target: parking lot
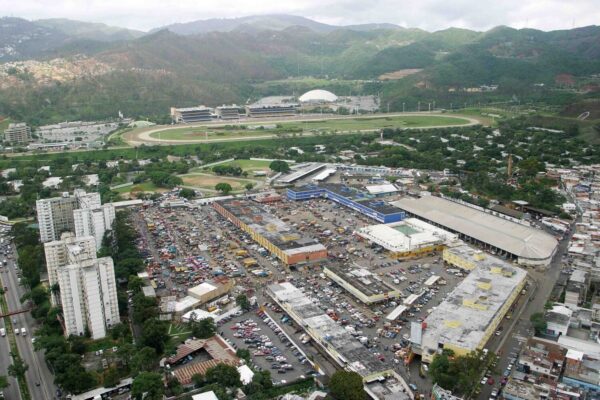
x=269 y=347
x=187 y=246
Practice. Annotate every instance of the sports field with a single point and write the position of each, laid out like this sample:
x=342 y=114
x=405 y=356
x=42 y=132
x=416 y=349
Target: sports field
x=371 y=123
x=208 y=181
x=250 y=165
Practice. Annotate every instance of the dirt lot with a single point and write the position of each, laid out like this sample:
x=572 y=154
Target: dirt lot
x=402 y=73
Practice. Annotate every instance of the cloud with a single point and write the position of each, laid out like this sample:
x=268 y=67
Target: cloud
x=425 y=14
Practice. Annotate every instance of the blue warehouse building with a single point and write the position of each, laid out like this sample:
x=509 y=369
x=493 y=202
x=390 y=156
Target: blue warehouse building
x=352 y=198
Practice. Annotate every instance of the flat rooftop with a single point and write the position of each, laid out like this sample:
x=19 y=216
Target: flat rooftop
x=463 y=317
x=300 y=171
x=284 y=236
x=354 y=194
x=361 y=279
x=520 y=240
x=358 y=357
x=192 y=109
x=406 y=235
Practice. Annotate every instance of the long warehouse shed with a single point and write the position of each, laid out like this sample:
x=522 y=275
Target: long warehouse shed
x=526 y=245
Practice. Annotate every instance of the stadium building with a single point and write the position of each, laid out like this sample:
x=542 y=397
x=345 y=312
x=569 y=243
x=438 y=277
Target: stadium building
x=500 y=235
x=350 y=197
x=471 y=313
x=191 y=114
x=318 y=96
x=408 y=238
x=361 y=283
x=289 y=245
x=380 y=380
x=228 y=112
x=271 y=110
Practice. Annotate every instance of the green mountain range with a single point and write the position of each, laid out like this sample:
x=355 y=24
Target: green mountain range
x=222 y=61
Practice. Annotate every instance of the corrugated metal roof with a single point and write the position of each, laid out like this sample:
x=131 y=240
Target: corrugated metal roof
x=520 y=240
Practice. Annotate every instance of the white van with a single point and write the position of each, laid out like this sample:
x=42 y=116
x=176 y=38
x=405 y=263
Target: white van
x=23 y=331
x=2 y=332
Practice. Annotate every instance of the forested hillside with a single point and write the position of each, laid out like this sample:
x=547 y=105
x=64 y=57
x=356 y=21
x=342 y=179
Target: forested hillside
x=211 y=64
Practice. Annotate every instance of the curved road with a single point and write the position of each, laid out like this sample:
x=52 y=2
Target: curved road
x=144 y=137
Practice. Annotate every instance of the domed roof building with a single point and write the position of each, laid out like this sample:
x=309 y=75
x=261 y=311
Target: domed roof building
x=318 y=96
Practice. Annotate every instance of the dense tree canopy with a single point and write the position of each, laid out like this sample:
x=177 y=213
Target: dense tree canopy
x=346 y=385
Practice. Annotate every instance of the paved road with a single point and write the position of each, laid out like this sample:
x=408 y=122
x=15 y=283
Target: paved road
x=38 y=372
x=11 y=392
x=520 y=329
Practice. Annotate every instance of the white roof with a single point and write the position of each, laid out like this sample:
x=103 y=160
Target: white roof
x=205 y=396
x=201 y=289
x=462 y=318
x=588 y=347
x=324 y=174
x=385 y=188
x=575 y=355
x=392 y=237
x=318 y=95
x=432 y=280
x=520 y=240
x=186 y=303
x=396 y=312
x=127 y=203
x=246 y=374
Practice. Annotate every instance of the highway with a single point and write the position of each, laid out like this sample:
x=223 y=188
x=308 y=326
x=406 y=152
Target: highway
x=12 y=391
x=39 y=378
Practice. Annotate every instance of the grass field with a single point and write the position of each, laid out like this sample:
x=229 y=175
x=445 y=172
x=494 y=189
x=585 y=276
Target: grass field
x=246 y=165
x=141 y=187
x=211 y=133
x=331 y=125
x=178 y=330
x=208 y=181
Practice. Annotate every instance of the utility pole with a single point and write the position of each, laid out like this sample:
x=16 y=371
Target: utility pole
x=388 y=107
x=428 y=107
x=402 y=107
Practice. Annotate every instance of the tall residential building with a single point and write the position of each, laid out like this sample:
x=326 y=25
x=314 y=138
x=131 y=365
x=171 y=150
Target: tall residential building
x=61 y=214
x=17 y=133
x=69 y=250
x=94 y=221
x=88 y=293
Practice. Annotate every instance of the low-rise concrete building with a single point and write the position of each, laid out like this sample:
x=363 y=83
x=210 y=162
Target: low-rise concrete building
x=469 y=316
x=362 y=284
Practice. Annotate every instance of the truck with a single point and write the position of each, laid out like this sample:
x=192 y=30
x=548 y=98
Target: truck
x=23 y=331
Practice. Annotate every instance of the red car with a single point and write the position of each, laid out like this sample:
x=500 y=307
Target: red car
x=490 y=381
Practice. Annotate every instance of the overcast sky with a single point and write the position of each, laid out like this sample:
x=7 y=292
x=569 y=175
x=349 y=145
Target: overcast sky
x=426 y=14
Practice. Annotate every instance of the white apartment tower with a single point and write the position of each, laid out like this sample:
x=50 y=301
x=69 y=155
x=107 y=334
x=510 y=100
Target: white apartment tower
x=69 y=250
x=81 y=213
x=88 y=293
x=94 y=222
